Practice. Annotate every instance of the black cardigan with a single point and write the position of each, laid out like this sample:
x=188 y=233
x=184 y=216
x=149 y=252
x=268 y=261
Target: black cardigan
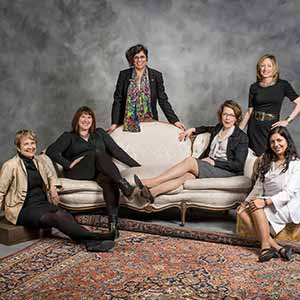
x=157 y=93
x=70 y=146
x=237 y=148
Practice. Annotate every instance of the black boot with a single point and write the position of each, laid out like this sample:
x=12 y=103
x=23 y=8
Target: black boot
x=113 y=226
x=126 y=188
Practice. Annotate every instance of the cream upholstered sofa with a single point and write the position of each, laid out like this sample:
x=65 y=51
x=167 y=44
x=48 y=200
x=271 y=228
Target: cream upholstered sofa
x=157 y=148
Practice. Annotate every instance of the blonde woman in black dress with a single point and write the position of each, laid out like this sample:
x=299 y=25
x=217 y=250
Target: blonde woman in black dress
x=265 y=99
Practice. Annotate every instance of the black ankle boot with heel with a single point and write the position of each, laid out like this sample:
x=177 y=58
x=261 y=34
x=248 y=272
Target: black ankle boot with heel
x=113 y=226
x=126 y=188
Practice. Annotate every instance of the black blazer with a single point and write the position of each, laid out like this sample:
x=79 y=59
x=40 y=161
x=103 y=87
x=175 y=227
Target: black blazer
x=70 y=146
x=237 y=148
x=157 y=93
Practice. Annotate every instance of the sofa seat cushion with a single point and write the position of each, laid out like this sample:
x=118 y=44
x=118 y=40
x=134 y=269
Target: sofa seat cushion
x=83 y=200
x=69 y=186
x=240 y=184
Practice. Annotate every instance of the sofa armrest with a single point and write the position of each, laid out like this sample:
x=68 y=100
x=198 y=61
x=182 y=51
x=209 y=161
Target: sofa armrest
x=200 y=143
x=251 y=165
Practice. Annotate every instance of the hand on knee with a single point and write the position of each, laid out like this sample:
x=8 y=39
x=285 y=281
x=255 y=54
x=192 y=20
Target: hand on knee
x=242 y=208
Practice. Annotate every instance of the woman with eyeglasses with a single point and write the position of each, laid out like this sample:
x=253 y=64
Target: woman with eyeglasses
x=138 y=90
x=224 y=157
x=265 y=99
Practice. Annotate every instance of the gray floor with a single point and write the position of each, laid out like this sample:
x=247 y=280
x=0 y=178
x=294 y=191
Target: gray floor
x=196 y=219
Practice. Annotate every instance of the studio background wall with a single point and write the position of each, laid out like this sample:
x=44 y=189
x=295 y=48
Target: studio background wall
x=57 y=55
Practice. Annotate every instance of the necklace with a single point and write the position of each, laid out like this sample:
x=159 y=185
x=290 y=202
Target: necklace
x=266 y=84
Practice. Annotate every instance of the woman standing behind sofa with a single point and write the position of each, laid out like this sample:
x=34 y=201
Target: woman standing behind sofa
x=275 y=198
x=137 y=91
x=86 y=154
x=265 y=100
x=225 y=155
x=24 y=180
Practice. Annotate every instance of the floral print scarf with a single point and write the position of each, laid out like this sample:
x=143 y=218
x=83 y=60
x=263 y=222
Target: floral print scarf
x=138 y=108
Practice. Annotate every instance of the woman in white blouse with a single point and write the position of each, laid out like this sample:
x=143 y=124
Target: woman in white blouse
x=275 y=198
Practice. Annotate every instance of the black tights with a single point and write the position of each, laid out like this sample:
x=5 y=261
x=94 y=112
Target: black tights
x=65 y=222
x=98 y=164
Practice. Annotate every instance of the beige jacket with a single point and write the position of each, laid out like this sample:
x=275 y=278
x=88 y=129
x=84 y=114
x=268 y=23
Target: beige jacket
x=13 y=184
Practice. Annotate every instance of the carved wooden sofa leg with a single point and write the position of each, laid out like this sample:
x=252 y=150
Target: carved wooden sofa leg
x=183 y=210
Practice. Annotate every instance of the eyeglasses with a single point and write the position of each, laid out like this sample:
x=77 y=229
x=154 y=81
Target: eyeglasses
x=225 y=115
x=142 y=57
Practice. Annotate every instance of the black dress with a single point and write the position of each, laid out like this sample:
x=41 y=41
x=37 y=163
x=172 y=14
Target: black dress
x=268 y=100
x=36 y=203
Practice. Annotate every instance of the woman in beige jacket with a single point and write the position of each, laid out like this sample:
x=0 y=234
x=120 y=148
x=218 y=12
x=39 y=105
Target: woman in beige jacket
x=24 y=182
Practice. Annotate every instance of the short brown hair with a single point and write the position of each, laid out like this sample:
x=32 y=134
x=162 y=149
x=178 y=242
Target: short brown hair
x=274 y=61
x=80 y=111
x=237 y=109
x=24 y=133
x=132 y=51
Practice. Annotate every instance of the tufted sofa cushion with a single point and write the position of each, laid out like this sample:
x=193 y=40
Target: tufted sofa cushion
x=156 y=144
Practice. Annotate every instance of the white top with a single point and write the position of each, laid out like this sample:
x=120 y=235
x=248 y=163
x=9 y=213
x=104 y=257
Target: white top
x=274 y=181
x=282 y=188
x=218 y=147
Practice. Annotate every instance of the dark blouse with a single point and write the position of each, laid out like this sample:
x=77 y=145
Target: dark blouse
x=269 y=99
x=70 y=146
x=36 y=203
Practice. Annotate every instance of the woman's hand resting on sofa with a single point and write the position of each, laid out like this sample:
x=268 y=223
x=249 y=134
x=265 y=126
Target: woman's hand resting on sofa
x=186 y=134
x=76 y=161
x=209 y=160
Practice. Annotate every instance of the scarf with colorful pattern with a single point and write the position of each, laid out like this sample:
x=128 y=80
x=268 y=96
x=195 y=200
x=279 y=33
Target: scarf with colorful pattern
x=138 y=108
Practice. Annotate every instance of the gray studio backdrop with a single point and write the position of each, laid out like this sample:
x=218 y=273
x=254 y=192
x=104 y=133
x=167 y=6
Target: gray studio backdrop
x=56 y=55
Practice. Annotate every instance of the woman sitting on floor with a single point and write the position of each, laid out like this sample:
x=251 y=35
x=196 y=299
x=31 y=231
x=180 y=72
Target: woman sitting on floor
x=224 y=157
x=275 y=198
x=86 y=154
x=23 y=182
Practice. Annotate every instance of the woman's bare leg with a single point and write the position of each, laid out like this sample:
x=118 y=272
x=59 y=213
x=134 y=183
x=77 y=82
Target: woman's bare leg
x=170 y=185
x=245 y=216
x=188 y=165
x=263 y=229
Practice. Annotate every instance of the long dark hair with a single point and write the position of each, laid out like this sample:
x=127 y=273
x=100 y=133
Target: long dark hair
x=80 y=111
x=269 y=156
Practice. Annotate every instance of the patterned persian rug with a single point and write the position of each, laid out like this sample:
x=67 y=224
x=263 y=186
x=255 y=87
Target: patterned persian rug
x=177 y=231
x=149 y=267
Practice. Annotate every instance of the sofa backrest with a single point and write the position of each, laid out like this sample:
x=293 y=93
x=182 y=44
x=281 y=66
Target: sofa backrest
x=156 y=144
x=200 y=143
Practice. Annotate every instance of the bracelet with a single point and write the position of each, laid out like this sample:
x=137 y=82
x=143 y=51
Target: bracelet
x=288 y=119
x=266 y=201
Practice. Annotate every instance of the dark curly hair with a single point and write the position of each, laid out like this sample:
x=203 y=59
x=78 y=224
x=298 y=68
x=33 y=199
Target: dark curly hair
x=269 y=156
x=132 y=51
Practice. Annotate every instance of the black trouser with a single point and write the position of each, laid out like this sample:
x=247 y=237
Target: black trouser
x=98 y=165
x=65 y=222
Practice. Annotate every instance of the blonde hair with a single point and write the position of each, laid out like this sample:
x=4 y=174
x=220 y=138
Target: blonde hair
x=25 y=133
x=275 y=64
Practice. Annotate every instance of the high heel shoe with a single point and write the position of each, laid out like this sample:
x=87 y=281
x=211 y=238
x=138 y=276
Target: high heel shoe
x=126 y=188
x=146 y=194
x=138 y=181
